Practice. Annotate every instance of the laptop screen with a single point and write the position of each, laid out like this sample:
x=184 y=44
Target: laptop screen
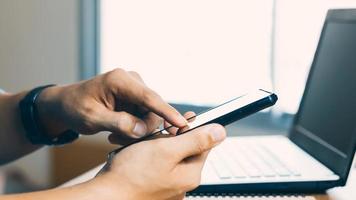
x=325 y=125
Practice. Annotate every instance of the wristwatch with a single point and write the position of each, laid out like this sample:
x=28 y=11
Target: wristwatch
x=32 y=126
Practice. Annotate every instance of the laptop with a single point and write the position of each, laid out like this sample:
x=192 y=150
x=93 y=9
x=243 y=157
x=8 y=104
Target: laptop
x=317 y=154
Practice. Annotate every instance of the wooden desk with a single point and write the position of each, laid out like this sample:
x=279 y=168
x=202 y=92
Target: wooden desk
x=342 y=193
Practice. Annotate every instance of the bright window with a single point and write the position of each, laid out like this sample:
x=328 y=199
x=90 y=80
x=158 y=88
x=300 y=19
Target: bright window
x=190 y=51
x=206 y=51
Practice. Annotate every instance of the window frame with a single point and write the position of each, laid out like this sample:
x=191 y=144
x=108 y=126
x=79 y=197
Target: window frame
x=89 y=38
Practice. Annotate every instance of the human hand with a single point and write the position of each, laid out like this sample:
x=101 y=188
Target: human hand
x=117 y=101
x=163 y=168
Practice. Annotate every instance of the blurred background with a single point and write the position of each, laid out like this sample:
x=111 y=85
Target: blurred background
x=195 y=53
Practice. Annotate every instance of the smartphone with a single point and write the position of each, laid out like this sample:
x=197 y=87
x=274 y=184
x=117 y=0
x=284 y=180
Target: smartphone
x=234 y=109
x=223 y=114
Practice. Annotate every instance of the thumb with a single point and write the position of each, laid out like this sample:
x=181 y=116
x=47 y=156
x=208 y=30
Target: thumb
x=122 y=122
x=197 y=141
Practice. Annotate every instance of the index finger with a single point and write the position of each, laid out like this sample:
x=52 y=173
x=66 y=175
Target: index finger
x=190 y=116
x=137 y=92
x=156 y=104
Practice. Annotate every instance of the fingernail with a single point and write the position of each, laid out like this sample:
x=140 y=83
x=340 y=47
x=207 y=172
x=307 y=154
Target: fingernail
x=218 y=134
x=140 y=129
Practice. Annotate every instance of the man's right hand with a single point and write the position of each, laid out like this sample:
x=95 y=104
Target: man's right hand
x=163 y=168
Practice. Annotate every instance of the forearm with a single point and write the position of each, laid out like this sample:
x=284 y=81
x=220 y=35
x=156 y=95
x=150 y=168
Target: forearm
x=13 y=142
x=84 y=191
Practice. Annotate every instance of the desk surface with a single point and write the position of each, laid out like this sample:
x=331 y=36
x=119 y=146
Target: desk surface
x=341 y=193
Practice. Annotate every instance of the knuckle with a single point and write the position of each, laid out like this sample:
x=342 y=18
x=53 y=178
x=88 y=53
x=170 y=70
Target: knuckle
x=210 y=141
x=117 y=71
x=88 y=109
x=135 y=74
x=114 y=75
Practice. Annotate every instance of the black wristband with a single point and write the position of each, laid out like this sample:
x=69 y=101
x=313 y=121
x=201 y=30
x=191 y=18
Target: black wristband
x=29 y=117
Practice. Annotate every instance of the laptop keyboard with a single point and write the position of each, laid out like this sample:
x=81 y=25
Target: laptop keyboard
x=252 y=161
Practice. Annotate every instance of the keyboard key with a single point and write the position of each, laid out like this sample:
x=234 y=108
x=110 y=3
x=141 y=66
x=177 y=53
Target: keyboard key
x=248 y=167
x=238 y=155
x=281 y=171
x=274 y=162
x=235 y=168
x=266 y=170
x=293 y=171
x=260 y=162
x=221 y=170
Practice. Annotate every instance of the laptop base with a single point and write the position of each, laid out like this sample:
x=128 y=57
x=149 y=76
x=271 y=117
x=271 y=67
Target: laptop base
x=290 y=168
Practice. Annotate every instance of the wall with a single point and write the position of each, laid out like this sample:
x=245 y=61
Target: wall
x=38 y=45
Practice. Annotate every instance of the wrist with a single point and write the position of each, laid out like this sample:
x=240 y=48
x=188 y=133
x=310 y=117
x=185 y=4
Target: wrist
x=49 y=111
x=40 y=133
